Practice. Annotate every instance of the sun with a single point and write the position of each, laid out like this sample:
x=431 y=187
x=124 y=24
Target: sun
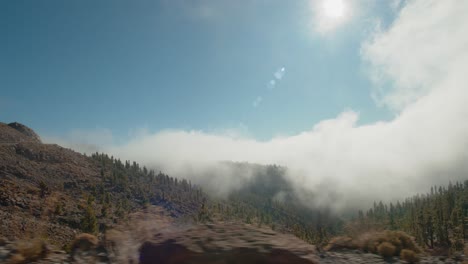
x=330 y=14
x=334 y=8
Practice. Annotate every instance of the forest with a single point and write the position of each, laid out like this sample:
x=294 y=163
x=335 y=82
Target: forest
x=436 y=219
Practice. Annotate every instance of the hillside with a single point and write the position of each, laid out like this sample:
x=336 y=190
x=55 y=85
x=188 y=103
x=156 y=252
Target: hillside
x=49 y=191
x=51 y=194
x=269 y=198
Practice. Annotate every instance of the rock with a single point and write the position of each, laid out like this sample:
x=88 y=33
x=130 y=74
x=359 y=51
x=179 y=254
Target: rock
x=172 y=252
x=26 y=131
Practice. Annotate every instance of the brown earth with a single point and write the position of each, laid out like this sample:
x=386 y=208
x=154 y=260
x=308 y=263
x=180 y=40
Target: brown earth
x=27 y=210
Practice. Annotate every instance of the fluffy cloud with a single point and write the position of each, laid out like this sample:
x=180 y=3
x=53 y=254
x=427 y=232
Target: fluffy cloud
x=419 y=66
x=427 y=41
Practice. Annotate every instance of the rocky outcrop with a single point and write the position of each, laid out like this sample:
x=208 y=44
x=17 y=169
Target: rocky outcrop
x=16 y=133
x=171 y=252
x=26 y=131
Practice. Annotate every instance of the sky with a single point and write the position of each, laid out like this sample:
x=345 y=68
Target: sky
x=261 y=67
x=362 y=100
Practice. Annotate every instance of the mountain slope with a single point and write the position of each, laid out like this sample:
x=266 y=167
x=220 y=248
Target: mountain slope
x=50 y=191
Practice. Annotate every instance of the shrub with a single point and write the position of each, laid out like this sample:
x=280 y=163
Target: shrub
x=83 y=242
x=44 y=189
x=406 y=241
x=89 y=220
x=16 y=259
x=58 y=209
x=30 y=251
x=369 y=242
x=386 y=249
x=409 y=256
x=385 y=243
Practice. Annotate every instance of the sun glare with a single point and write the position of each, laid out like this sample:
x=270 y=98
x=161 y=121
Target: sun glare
x=330 y=14
x=334 y=8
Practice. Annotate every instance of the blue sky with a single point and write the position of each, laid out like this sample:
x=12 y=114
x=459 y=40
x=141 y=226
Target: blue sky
x=189 y=65
x=372 y=99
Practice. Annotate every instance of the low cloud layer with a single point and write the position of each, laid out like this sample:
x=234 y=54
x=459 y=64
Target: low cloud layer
x=418 y=66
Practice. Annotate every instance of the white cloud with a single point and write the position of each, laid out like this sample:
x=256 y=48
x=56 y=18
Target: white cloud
x=423 y=62
x=86 y=141
x=418 y=51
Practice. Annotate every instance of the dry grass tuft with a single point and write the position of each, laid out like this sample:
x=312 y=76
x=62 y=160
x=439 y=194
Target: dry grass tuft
x=386 y=250
x=30 y=251
x=83 y=242
x=409 y=256
x=385 y=243
x=16 y=259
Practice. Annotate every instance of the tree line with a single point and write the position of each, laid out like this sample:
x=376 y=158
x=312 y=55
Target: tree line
x=438 y=218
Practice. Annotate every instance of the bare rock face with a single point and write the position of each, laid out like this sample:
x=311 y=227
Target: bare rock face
x=171 y=252
x=28 y=132
x=225 y=242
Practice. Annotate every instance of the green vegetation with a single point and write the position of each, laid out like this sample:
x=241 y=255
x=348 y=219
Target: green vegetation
x=130 y=186
x=436 y=219
x=89 y=222
x=259 y=202
x=124 y=186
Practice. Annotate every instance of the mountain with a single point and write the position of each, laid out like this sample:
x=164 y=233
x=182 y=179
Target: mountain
x=47 y=190
x=50 y=195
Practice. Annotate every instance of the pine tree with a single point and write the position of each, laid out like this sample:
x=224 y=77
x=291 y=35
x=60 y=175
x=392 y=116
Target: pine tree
x=89 y=221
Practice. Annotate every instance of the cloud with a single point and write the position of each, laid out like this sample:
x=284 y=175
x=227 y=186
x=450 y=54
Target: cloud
x=419 y=66
x=85 y=141
x=257 y=101
x=416 y=52
x=395 y=4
